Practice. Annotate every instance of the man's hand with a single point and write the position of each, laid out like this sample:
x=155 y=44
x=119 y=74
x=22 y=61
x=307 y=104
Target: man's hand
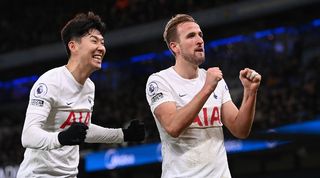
x=135 y=131
x=74 y=135
x=250 y=79
x=214 y=75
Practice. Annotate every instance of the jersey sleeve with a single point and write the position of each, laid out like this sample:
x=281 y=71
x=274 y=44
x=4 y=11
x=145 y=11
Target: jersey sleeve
x=42 y=96
x=33 y=136
x=98 y=134
x=157 y=91
x=41 y=100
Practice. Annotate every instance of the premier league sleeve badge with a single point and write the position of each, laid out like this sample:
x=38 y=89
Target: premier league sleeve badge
x=41 y=90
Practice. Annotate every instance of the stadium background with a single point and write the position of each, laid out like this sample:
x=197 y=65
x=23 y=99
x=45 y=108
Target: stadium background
x=278 y=38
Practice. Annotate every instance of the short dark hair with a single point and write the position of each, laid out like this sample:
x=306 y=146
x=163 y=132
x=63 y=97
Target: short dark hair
x=170 y=31
x=79 y=26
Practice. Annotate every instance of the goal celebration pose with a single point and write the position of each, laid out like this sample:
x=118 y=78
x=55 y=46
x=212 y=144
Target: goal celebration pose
x=58 y=117
x=190 y=105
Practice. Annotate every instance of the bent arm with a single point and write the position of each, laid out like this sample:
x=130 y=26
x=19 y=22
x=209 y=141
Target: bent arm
x=98 y=134
x=174 y=120
x=239 y=121
x=35 y=137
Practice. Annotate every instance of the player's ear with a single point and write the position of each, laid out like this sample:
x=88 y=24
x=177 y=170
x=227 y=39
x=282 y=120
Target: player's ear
x=175 y=48
x=72 y=45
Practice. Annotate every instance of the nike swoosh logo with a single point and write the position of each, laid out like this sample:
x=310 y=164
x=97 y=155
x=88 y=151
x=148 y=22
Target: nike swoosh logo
x=69 y=103
x=182 y=95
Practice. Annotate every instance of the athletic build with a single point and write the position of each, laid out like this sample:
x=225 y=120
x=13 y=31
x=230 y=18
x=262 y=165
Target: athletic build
x=58 y=116
x=190 y=105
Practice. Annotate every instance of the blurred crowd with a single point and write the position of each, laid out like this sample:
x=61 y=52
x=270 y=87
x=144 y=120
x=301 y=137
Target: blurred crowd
x=288 y=62
x=289 y=65
x=42 y=22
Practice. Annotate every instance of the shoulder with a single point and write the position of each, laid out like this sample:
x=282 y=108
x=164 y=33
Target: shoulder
x=51 y=75
x=201 y=70
x=48 y=81
x=222 y=85
x=157 y=80
x=202 y=73
x=90 y=84
x=161 y=74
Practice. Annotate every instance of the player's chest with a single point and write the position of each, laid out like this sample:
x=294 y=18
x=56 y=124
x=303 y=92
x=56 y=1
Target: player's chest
x=185 y=93
x=78 y=100
x=73 y=107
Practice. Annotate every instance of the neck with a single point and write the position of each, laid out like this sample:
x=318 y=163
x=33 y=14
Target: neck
x=185 y=69
x=78 y=71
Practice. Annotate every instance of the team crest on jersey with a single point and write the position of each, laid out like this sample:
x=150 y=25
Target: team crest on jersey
x=215 y=96
x=41 y=90
x=90 y=100
x=226 y=87
x=152 y=88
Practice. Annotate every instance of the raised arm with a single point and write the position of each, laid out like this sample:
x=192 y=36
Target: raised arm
x=239 y=121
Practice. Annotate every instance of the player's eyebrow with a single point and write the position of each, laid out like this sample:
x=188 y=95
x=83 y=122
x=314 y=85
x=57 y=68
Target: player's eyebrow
x=191 y=34
x=96 y=37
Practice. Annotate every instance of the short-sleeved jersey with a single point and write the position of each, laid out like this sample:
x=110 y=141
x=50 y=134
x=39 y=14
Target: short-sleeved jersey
x=58 y=97
x=199 y=150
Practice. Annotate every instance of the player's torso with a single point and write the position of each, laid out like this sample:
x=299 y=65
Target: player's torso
x=75 y=105
x=184 y=90
x=63 y=98
x=199 y=148
x=63 y=101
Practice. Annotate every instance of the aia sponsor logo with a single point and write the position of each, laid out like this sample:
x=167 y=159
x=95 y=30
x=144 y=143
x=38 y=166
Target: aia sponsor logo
x=83 y=117
x=208 y=118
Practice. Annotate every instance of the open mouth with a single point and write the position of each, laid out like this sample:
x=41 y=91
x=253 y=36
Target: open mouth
x=199 y=50
x=97 y=57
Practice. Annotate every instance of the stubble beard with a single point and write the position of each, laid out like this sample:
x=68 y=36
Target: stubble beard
x=194 y=59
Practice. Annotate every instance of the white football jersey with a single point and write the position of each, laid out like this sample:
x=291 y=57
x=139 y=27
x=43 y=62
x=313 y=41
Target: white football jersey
x=199 y=151
x=56 y=101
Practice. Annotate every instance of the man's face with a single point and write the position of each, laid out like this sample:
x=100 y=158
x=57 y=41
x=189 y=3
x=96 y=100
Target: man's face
x=191 y=42
x=91 y=49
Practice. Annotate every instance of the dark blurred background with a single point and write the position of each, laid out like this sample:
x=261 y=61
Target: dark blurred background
x=278 y=38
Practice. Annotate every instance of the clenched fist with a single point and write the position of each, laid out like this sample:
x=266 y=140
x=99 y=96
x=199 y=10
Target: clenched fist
x=74 y=135
x=250 y=79
x=214 y=75
x=135 y=131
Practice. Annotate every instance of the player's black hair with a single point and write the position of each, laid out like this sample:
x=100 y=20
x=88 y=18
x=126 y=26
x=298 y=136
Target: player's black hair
x=79 y=26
